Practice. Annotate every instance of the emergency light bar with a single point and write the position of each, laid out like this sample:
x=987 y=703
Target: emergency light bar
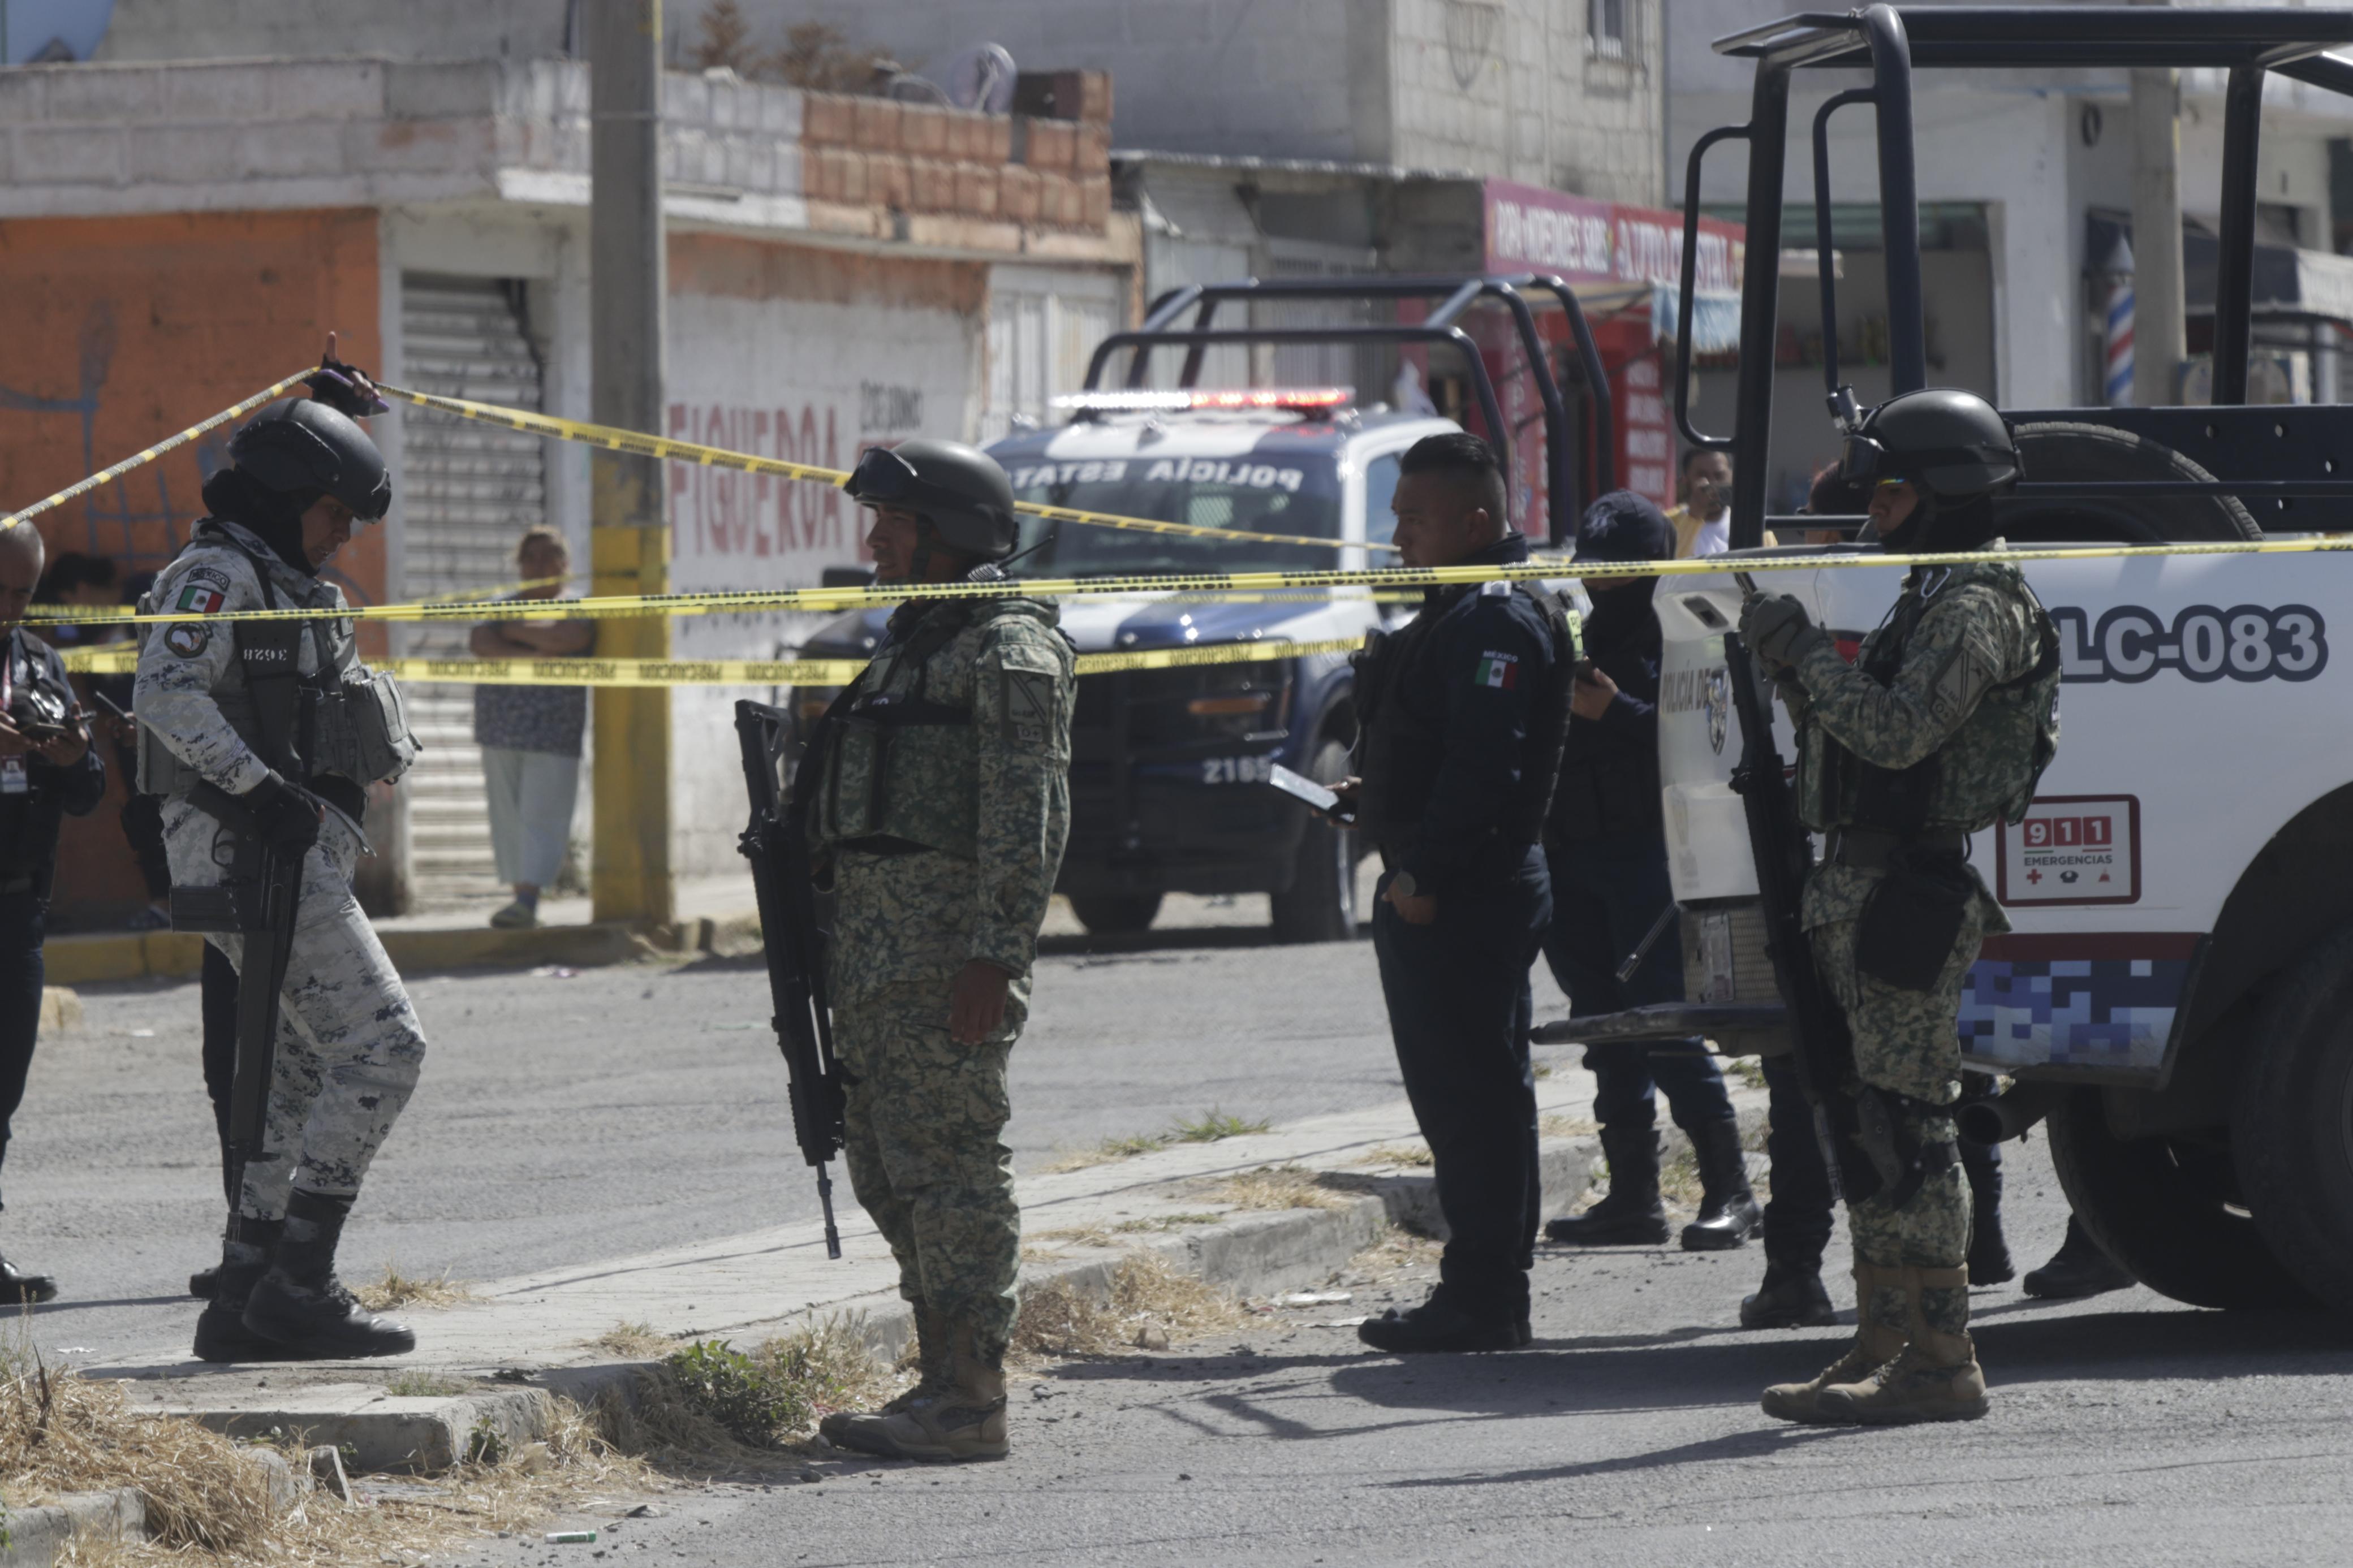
x=1240 y=399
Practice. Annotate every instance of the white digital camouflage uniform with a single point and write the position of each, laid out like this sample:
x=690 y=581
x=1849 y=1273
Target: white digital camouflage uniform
x=348 y=1042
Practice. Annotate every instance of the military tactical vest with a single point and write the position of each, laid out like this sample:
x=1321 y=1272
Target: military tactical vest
x=894 y=766
x=1401 y=726
x=1985 y=771
x=340 y=718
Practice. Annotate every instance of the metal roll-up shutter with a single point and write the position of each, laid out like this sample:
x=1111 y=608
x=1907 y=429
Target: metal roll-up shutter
x=470 y=491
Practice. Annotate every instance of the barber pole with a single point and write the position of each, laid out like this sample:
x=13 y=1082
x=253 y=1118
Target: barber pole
x=2119 y=383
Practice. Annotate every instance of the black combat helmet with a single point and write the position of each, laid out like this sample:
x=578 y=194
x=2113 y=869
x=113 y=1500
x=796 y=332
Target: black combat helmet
x=1953 y=445
x=959 y=491
x=300 y=444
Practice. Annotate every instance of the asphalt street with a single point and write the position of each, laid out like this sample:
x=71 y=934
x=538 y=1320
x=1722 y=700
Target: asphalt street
x=565 y=1118
x=2126 y=1430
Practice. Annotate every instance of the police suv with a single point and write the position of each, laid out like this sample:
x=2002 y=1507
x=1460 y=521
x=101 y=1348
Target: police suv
x=1167 y=765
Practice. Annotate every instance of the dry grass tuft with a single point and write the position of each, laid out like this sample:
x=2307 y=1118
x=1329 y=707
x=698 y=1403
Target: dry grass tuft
x=633 y=1342
x=61 y=1433
x=1567 y=1127
x=1147 y=1292
x=397 y=1290
x=1209 y=1127
x=1279 y=1187
x=208 y=1499
x=768 y=1397
x=426 y=1385
x=1397 y=1155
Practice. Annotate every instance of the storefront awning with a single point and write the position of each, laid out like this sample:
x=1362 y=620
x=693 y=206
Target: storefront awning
x=2288 y=281
x=1715 y=318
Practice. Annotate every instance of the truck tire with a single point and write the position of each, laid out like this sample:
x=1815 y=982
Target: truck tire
x=2292 y=1123
x=2065 y=450
x=1321 y=903
x=2166 y=1209
x=1115 y=914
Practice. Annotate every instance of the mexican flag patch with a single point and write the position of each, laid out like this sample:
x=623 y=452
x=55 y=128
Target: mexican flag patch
x=200 y=599
x=1500 y=670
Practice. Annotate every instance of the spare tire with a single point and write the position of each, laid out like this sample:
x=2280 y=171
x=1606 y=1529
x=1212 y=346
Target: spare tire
x=2065 y=451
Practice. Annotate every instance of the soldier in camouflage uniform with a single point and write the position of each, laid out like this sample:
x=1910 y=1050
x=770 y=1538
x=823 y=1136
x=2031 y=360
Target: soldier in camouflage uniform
x=940 y=806
x=282 y=716
x=1942 y=726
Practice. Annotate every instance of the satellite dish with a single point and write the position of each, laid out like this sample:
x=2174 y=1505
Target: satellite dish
x=981 y=80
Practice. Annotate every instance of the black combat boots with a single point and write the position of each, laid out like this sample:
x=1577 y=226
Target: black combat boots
x=299 y=1306
x=2078 y=1268
x=1791 y=1297
x=1631 y=1214
x=1989 y=1259
x=221 y=1333
x=1728 y=1215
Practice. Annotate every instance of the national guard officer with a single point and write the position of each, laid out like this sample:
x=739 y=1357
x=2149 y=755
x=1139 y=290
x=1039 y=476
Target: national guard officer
x=942 y=805
x=1940 y=729
x=283 y=716
x=1463 y=717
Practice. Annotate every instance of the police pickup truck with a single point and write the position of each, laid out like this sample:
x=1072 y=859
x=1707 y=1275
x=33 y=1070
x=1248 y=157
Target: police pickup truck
x=2176 y=997
x=1167 y=764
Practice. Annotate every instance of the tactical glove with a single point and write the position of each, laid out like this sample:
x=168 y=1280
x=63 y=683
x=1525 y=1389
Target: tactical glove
x=288 y=814
x=1777 y=631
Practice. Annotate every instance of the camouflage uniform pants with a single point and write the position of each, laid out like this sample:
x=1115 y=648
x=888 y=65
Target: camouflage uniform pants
x=926 y=1157
x=1907 y=1042
x=348 y=1042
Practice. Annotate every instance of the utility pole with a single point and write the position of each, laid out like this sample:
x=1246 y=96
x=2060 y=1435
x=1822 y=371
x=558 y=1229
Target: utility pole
x=629 y=533
x=2160 y=339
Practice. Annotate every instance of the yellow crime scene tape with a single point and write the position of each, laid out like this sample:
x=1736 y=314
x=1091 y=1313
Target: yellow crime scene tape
x=638 y=444
x=168 y=443
x=1382 y=580
x=123 y=659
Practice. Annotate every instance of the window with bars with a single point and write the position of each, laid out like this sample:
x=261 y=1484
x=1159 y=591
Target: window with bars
x=1609 y=27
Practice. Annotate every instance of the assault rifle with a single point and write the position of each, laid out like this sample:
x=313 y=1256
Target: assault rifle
x=260 y=908
x=1824 y=1056
x=776 y=845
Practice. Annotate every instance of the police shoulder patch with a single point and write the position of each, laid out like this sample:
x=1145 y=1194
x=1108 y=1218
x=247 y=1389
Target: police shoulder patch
x=1500 y=588
x=1500 y=670
x=187 y=639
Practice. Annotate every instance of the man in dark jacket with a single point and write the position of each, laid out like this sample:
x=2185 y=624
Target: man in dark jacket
x=1464 y=714
x=47 y=769
x=1612 y=903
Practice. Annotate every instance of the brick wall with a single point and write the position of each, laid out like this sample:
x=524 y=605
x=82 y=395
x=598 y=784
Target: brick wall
x=1045 y=170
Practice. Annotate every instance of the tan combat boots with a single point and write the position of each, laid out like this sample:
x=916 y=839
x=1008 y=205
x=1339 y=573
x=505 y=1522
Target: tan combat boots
x=1876 y=1344
x=935 y=1364
x=1935 y=1379
x=965 y=1420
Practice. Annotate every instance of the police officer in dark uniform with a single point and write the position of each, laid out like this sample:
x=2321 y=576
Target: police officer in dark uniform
x=47 y=768
x=1464 y=714
x=1612 y=903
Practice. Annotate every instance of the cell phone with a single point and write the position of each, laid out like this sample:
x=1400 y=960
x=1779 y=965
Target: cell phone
x=1299 y=786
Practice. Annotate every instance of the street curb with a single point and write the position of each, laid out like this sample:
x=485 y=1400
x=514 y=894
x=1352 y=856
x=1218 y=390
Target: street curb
x=1249 y=1252
x=37 y=1537
x=385 y=1432
x=178 y=955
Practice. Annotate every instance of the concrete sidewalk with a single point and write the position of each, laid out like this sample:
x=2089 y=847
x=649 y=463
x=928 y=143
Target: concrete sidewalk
x=534 y=1333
